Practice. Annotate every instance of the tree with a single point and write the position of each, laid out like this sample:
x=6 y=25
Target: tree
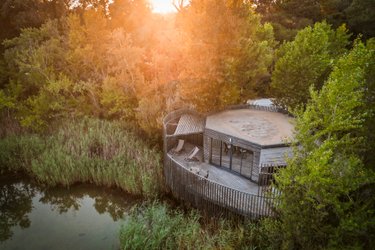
x=249 y=68
x=74 y=67
x=225 y=39
x=288 y=16
x=326 y=191
x=33 y=62
x=360 y=16
x=18 y=14
x=306 y=62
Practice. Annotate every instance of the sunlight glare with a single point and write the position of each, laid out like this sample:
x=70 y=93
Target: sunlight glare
x=163 y=6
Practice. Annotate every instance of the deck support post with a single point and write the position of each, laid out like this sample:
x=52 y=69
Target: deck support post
x=230 y=153
x=221 y=152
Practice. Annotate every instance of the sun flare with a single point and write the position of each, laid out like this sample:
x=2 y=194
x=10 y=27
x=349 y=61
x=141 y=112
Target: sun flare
x=162 y=6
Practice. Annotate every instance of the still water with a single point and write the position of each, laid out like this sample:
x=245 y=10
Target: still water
x=81 y=217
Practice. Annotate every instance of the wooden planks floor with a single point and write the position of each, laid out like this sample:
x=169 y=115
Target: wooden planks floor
x=216 y=174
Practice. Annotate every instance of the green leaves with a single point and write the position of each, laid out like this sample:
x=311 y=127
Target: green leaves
x=229 y=54
x=71 y=69
x=320 y=186
x=306 y=62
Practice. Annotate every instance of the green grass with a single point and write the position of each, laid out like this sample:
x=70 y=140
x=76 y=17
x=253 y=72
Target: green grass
x=89 y=150
x=156 y=226
x=18 y=151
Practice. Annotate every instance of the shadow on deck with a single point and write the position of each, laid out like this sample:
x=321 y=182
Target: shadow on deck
x=221 y=192
x=216 y=174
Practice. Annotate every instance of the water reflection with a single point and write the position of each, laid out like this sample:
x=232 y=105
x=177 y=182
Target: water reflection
x=83 y=216
x=15 y=204
x=111 y=201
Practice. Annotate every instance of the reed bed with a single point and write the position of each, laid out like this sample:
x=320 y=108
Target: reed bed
x=89 y=150
x=18 y=151
x=156 y=226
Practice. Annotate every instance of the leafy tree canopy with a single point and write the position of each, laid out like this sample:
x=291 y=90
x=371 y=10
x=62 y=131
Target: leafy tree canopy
x=306 y=62
x=229 y=53
x=326 y=190
x=288 y=16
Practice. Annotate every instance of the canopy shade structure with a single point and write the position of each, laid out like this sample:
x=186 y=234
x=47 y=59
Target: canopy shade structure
x=189 y=124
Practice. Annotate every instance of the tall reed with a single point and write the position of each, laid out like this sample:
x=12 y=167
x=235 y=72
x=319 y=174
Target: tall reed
x=18 y=151
x=89 y=150
x=156 y=226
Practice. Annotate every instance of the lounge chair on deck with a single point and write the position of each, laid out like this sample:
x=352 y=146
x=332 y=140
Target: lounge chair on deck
x=199 y=171
x=193 y=155
x=227 y=148
x=179 y=147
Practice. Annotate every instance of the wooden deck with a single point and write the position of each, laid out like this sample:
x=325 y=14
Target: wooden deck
x=212 y=197
x=216 y=174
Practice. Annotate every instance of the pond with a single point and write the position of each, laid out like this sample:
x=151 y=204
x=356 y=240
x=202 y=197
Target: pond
x=81 y=217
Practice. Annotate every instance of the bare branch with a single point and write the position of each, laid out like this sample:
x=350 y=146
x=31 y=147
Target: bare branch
x=180 y=5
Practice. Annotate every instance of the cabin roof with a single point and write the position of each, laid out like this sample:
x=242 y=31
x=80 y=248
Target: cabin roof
x=261 y=127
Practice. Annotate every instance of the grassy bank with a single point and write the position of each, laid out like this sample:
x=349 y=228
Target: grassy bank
x=88 y=150
x=156 y=226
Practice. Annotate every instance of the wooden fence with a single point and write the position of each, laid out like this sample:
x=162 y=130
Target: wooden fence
x=214 y=198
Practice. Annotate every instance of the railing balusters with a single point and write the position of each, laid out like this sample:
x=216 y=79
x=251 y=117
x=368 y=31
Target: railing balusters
x=215 y=198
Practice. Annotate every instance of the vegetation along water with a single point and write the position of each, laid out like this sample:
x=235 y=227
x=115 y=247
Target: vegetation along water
x=84 y=87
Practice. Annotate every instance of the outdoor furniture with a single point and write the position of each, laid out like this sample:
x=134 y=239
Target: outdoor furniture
x=199 y=171
x=179 y=147
x=227 y=147
x=193 y=155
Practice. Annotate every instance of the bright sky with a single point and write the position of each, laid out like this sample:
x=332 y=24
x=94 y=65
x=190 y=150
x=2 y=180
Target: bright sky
x=162 y=6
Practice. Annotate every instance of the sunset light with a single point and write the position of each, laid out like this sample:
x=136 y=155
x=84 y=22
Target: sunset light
x=248 y=123
x=162 y=6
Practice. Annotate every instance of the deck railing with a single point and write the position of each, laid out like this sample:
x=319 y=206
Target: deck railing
x=214 y=198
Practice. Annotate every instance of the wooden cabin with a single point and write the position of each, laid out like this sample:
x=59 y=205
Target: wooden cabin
x=223 y=162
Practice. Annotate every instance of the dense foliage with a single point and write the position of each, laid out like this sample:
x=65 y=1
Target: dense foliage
x=289 y=16
x=49 y=77
x=107 y=65
x=327 y=187
x=306 y=62
x=228 y=56
x=102 y=68
x=91 y=151
x=18 y=14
